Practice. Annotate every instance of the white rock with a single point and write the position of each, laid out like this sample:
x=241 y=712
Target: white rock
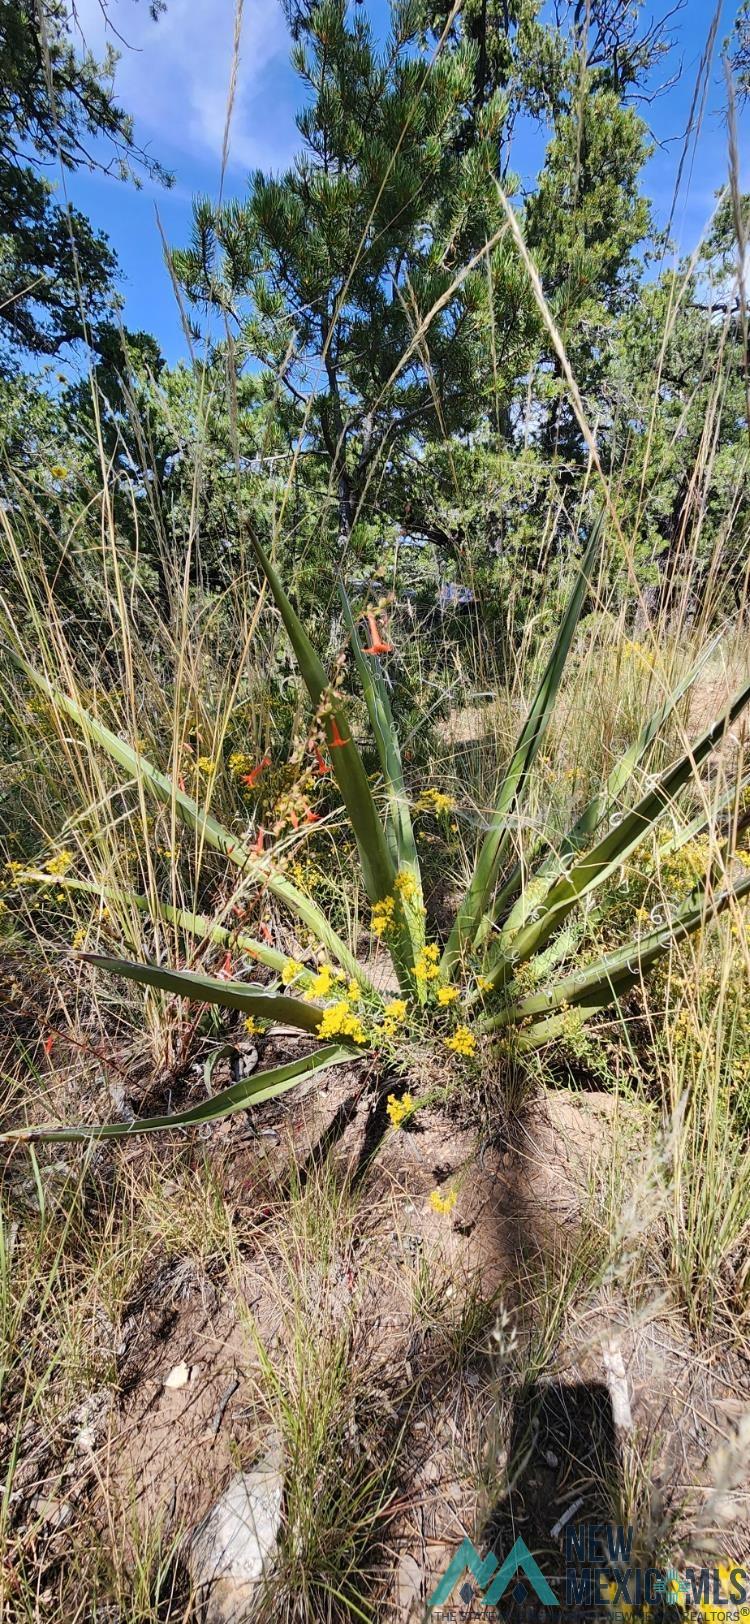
x=179 y=1376
x=233 y=1548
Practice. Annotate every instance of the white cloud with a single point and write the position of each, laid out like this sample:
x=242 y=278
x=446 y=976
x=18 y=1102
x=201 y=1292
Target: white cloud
x=173 y=76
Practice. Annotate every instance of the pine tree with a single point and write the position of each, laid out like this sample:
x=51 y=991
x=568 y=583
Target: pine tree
x=328 y=274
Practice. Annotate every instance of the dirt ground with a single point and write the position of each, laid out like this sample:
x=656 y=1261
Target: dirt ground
x=498 y=1426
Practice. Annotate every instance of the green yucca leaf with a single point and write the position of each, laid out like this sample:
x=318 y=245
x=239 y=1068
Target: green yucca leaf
x=209 y=990
x=140 y=769
x=603 y=983
x=239 y=1097
x=378 y=867
x=601 y=806
x=399 y=824
x=613 y=849
x=469 y=917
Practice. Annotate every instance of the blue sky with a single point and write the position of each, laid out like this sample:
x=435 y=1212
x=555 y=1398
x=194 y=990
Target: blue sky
x=173 y=77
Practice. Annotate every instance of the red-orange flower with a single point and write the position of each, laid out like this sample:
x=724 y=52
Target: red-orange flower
x=259 y=840
x=252 y=777
x=335 y=742
x=377 y=645
x=323 y=766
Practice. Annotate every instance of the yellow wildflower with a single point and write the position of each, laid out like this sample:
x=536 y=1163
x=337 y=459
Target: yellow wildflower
x=339 y=1020
x=322 y=984
x=251 y=1026
x=240 y=762
x=400 y=1110
x=58 y=470
x=79 y=939
x=354 y=992
x=484 y=984
x=61 y=863
x=382 y=915
x=406 y=886
x=395 y=1009
x=462 y=1041
x=433 y=800
x=443 y=1203
x=395 y=1014
x=207 y=765
x=447 y=995
x=426 y=966
x=291 y=970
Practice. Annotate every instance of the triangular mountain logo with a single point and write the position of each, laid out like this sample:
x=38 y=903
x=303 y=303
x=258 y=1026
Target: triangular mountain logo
x=518 y=1561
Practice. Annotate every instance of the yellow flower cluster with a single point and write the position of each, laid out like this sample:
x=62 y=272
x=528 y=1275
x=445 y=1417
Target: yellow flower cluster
x=395 y=1014
x=433 y=800
x=484 y=984
x=407 y=888
x=462 y=1042
x=400 y=1110
x=240 y=762
x=291 y=970
x=252 y=1027
x=687 y=866
x=340 y=1021
x=447 y=995
x=426 y=965
x=323 y=982
x=61 y=863
x=206 y=765
x=443 y=1203
x=383 y=915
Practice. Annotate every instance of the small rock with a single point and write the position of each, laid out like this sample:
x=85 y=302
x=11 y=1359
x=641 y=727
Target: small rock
x=233 y=1548
x=179 y=1376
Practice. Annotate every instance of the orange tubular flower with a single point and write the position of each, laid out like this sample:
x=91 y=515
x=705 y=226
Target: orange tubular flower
x=264 y=932
x=252 y=777
x=48 y=1042
x=336 y=742
x=310 y=816
x=323 y=766
x=377 y=645
x=258 y=846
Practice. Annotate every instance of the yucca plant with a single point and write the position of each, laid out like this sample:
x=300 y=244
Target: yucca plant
x=505 y=967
